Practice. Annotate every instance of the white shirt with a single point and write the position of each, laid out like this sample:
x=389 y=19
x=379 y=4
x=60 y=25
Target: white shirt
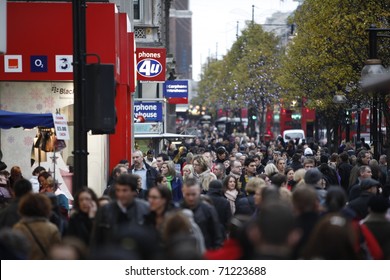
x=142 y=173
x=35 y=184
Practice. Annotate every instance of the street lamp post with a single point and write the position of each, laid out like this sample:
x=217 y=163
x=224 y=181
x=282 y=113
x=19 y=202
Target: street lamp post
x=372 y=69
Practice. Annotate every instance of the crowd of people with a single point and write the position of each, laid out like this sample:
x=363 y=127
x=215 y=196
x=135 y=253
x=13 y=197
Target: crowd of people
x=211 y=199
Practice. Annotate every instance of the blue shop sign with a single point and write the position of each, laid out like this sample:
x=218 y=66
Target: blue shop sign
x=176 y=89
x=151 y=111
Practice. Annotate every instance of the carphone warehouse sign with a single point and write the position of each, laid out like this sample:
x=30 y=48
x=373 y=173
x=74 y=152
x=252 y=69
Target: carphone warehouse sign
x=151 y=111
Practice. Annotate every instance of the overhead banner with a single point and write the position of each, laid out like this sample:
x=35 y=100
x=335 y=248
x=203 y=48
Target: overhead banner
x=151 y=64
x=151 y=111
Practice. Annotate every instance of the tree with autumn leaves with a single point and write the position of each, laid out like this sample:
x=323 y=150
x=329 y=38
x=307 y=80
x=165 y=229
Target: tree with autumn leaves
x=324 y=59
x=246 y=76
x=326 y=56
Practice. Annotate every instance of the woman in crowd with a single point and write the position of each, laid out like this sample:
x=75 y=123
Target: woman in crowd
x=160 y=202
x=231 y=191
x=35 y=210
x=48 y=185
x=270 y=169
x=188 y=172
x=81 y=221
x=289 y=172
x=174 y=183
x=246 y=205
x=203 y=172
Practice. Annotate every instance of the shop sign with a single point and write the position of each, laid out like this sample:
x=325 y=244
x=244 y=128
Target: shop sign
x=61 y=127
x=151 y=111
x=151 y=64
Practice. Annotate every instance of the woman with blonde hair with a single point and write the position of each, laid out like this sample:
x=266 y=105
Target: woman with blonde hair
x=247 y=205
x=270 y=169
x=174 y=183
x=203 y=172
x=298 y=177
x=188 y=172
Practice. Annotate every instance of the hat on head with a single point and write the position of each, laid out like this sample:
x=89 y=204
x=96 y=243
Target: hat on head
x=308 y=152
x=324 y=159
x=215 y=185
x=312 y=176
x=368 y=183
x=221 y=150
x=150 y=152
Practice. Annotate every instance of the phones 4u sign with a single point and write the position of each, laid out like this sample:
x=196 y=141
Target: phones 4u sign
x=151 y=64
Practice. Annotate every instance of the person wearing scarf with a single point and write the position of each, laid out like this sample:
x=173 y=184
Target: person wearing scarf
x=231 y=191
x=174 y=183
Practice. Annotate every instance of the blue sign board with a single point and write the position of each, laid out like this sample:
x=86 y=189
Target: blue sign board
x=151 y=111
x=38 y=63
x=175 y=89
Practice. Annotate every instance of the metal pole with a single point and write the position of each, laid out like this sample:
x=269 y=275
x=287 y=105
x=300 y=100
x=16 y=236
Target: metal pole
x=374 y=128
x=373 y=54
x=358 y=126
x=237 y=31
x=373 y=42
x=80 y=176
x=253 y=14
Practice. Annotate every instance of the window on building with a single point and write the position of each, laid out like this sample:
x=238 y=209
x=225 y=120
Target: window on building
x=137 y=9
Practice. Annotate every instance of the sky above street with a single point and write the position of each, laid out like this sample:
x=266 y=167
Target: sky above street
x=214 y=24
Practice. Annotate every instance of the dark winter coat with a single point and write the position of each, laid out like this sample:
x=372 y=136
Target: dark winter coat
x=246 y=205
x=80 y=226
x=344 y=170
x=110 y=221
x=206 y=218
x=360 y=205
x=151 y=174
x=222 y=206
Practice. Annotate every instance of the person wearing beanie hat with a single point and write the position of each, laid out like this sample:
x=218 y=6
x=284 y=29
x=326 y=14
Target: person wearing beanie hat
x=314 y=178
x=308 y=152
x=369 y=189
x=220 y=203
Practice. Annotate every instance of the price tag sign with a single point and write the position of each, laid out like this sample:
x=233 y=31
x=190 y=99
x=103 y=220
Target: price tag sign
x=61 y=127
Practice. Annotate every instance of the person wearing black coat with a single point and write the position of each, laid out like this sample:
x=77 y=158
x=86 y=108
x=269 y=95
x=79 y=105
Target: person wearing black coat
x=359 y=205
x=344 y=169
x=114 y=218
x=81 y=221
x=220 y=203
x=296 y=162
x=205 y=214
x=10 y=215
x=147 y=173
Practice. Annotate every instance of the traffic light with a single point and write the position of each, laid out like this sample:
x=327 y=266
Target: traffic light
x=100 y=111
x=254 y=117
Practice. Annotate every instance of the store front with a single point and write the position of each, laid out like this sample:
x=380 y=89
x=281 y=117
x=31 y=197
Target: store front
x=36 y=76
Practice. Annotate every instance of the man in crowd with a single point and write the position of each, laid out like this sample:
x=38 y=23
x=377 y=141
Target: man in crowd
x=160 y=160
x=219 y=171
x=118 y=170
x=145 y=171
x=250 y=172
x=205 y=214
x=364 y=173
x=113 y=219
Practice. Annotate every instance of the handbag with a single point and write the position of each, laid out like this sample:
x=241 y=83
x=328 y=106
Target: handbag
x=36 y=240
